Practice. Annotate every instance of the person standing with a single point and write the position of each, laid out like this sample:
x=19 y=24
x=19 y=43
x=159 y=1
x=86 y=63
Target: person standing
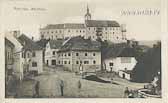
x=126 y=92
x=79 y=85
x=37 y=88
x=62 y=87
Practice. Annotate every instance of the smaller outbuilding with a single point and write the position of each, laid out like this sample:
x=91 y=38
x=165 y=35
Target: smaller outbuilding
x=119 y=58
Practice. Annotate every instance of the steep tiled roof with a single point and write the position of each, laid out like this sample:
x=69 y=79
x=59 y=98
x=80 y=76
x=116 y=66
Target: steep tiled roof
x=127 y=52
x=80 y=44
x=28 y=44
x=42 y=43
x=74 y=26
x=56 y=44
x=54 y=26
x=65 y=26
x=7 y=42
x=101 y=23
x=118 y=50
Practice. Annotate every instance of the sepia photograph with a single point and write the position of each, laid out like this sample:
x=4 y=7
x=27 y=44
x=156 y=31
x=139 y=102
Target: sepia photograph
x=82 y=49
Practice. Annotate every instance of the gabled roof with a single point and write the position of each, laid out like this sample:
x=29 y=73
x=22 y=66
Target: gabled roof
x=54 y=26
x=101 y=23
x=55 y=44
x=127 y=52
x=80 y=44
x=42 y=43
x=118 y=50
x=74 y=26
x=28 y=44
x=7 y=42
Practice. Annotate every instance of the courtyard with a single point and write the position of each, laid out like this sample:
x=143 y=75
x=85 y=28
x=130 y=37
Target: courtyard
x=50 y=79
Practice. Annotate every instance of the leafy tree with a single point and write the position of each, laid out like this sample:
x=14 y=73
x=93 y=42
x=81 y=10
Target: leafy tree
x=149 y=63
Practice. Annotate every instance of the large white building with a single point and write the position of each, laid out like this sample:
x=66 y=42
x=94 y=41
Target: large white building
x=105 y=29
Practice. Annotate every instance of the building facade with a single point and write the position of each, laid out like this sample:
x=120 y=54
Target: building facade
x=51 y=56
x=62 y=31
x=9 y=59
x=104 y=29
x=18 y=60
x=32 y=54
x=79 y=53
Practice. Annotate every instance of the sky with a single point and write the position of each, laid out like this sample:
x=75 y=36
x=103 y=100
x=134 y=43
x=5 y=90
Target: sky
x=19 y=15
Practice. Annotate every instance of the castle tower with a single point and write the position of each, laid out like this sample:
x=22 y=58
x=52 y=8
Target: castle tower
x=87 y=15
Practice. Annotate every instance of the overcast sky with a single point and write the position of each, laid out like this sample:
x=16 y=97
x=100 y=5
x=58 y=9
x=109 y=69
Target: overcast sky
x=17 y=15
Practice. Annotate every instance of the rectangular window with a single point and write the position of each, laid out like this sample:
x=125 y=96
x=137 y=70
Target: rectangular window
x=69 y=54
x=53 y=52
x=22 y=55
x=69 y=62
x=77 y=62
x=111 y=64
x=94 y=62
x=34 y=64
x=94 y=54
x=34 y=54
x=125 y=60
x=86 y=62
x=65 y=62
x=77 y=54
x=53 y=62
x=85 y=54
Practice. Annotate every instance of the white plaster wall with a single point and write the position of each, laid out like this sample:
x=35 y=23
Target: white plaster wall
x=56 y=33
x=117 y=65
x=73 y=58
x=73 y=32
x=49 y=55
x=39 y=59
